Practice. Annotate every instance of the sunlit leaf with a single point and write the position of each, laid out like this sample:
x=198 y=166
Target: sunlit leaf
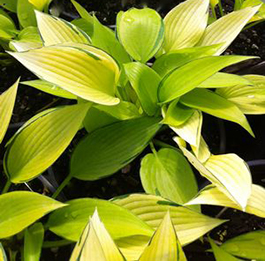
x=185 y=24
x=108 y=149
x=54 y=30
x=145 y=82
x=168 y=173
x=260 y=15
x=164 y=244
x=21 y=46
x=25 y=13
x=141 y=32
x=188 y=224
x=7 y=102
x=20 y=209
x=213 y=104
x=83 y=12
x=50 y=88
x=249 y=99
x=226 y=29
x=40 y=4
x=192 y=74
x=211 y=195
x=220 y=254
x=3 y=256
x=201 y=151
x=69 y=222
x=214 y=2
x=80 y=69
x=95 y=243
x=40 y=143
x=33 y=242
x=250 y=245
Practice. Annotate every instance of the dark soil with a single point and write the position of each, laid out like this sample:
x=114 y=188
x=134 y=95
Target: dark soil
x=222 y=136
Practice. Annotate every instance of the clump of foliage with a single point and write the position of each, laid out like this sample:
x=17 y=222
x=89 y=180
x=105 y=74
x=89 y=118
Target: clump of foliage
x=125 y=87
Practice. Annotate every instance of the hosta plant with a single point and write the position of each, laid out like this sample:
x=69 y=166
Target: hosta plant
x=124 y=89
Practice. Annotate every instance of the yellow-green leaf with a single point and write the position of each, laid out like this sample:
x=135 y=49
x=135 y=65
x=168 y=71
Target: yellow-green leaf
x=164 y=244
x=25 y=13
x=7 y=101
x=50 y=88
x=54 y=30
x=40 y=143
x=20 y=209
x=80 y=69
x=96 y=243
x=188 y=224
x=185 y=24
x=20 y=46
x=211 y=195
x=141 y=32
x=3 y=256
x=214 y=2
x=226 y=29
x=40 y=4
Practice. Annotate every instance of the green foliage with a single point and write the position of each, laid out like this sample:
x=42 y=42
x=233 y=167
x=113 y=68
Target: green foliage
x=125 y=88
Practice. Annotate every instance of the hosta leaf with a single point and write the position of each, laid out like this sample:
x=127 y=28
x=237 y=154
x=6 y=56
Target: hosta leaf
x=95 y=243
x=70 y=221
x=21 y=46
x=190 y=75
x=213 y=104
x=84 y=25
x=104 y=38
x=220 y=254
x=40 y=4
x=226 y=29
x=211 y=195
x=50 y=89
x=7 y=101
x=83 y=12
x=214 y=2
x=54 y=30
x=250 y=245
x=10 y=5
x=25 y=13
x=108 y=149
x=33 y=242
x=168 y=173
x=228 y=172
x=185 y=24
x=40 y=144
x=188 y=224
x=80 y=69
x=164 y=244
x=249 y=99
x=202 y=151
x=141 y=32
x=30 y=34
x=261 y=13
x=145 y=82
x=174 y=59
x=20 y=209
x=190 y=130
x=220 y=80
x=177 y=114
x=6 y=23
x=3 y=256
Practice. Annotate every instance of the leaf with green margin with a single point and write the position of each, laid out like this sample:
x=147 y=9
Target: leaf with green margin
x=211 y=195
x=7 y=102
x=10 y=5
x=260 y=15
x=227 y=28
x=3 y=256
x=6 y=23
x=83 y=70
x=84 y=25
x=222 y=80
x=83 y=12
x=110 y=148
x=104 y=38
x=177 y=114
x=96 y=243
x=164 y=245
x=185 y=24
x=69 y=222
x=33 y=240
x=20 y=209
x=168 y=173
x=213 y=104
x=145 y=82
x=25 y=13
x=220 y=254
x=54 y=30
x=40 y=143
x=174 y=59
x=249 y=99
x=190 y=75
x=50 y=89
x=141 y=32
x=188 y=224
x=250 y=245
